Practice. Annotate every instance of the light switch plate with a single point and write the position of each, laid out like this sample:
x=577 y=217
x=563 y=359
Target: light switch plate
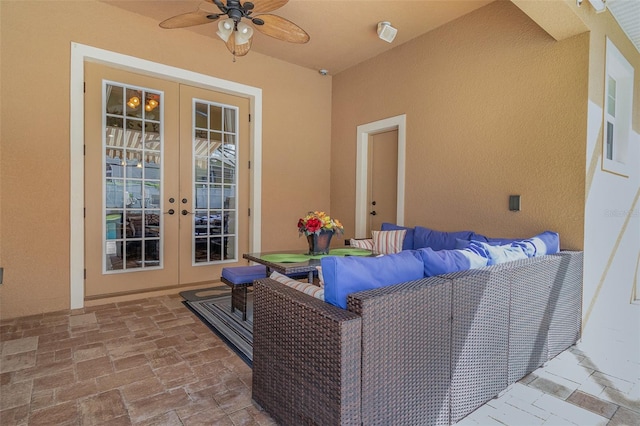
x=514 y=203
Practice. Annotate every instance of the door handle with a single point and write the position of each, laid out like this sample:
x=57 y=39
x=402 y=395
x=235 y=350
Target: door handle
x=170 y=211
x=373 y=213
x=185 y=212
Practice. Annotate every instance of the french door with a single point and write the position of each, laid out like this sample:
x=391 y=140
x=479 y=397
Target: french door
x=166 y=196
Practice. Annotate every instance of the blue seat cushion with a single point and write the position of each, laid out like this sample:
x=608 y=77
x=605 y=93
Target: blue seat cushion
x=244 y=274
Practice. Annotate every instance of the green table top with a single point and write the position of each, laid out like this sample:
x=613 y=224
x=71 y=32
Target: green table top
x=298 y=258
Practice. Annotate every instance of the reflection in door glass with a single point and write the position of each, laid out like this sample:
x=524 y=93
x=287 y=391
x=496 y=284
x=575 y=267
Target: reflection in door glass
x=132 y=187
x=214 y=182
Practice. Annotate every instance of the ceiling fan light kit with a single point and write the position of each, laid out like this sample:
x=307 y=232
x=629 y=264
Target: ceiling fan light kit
x=386 y=32
x=237 y=34
x=225 y=28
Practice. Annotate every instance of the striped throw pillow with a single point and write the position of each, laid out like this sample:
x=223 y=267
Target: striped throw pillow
x=362 y=244
x=388 y=242
x=307 y=288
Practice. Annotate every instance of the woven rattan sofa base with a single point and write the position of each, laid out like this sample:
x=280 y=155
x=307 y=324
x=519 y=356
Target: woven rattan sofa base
x=309 y=358
x=426 y=352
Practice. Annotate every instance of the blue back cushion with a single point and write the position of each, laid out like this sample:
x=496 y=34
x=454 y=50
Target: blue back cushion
x=446 y=261
x=497 y=254
x=407 y=244
x=346 y=275
x=547 y=242
x=461 y=244
x=438 y=240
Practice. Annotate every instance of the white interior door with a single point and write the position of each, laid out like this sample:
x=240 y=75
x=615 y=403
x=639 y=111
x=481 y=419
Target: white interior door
x=383 y=179
x=362 y=203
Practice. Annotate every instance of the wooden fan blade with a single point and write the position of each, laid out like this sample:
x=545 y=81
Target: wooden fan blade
x=277 y=27
x=264 y=6
x=190 y=19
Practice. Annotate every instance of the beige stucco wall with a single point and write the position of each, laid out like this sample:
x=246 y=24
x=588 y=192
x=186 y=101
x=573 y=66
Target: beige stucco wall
x=35 y=163
x=494 y=107
x=612 y=205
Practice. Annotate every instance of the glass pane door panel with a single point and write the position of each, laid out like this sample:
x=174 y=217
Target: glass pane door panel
x=230 y=121
x=114 y=100
x=152 y=252
x=200 y=250
x=133 y=106
x=134 y=254
x=114 y=124
x=134 y=164
x=201 y=112
x=215 y=117
x=133 y=134
x=152 y=224
x=114 y=194
x=151 y=194
x=201 y=170
x=214 y=165
x=215 y=249
x=230 y=244
x=216 y=171
x=133 y=223
x=132 y=195
x=114 y=224
x=114 y=255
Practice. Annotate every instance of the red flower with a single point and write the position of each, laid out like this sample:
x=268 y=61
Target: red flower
x=314 y=224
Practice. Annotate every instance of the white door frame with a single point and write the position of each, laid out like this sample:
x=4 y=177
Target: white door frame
x=81 y=53
x=398 y=123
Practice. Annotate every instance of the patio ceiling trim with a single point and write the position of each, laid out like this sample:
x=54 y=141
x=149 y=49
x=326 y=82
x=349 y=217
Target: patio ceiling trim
x=557 y=18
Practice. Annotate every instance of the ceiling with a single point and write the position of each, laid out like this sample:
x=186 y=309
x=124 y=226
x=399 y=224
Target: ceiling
x=627 y=13
x=343 y=32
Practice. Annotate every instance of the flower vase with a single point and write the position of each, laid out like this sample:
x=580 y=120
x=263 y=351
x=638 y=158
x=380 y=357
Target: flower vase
x=319 y=243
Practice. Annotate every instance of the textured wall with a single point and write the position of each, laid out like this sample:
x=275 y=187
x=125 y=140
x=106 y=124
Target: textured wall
x=36 y=38
x=494 y=106
x=612 y=211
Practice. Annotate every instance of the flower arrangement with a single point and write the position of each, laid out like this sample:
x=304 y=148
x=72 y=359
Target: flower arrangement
x=315 y=222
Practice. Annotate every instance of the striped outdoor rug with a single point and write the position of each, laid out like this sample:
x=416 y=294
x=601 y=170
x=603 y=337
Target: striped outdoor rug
x=215 y=312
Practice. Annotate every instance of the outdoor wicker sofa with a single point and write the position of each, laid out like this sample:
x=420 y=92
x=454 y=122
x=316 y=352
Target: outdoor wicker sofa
x=425 y=352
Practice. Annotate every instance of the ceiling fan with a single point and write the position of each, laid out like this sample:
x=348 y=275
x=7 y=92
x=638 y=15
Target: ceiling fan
x=234 y=31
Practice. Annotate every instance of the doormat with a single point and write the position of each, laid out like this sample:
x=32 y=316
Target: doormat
x=216 y=313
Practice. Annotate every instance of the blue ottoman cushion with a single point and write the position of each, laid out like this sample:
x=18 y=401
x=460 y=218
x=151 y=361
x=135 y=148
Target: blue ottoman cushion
x=244 y=274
